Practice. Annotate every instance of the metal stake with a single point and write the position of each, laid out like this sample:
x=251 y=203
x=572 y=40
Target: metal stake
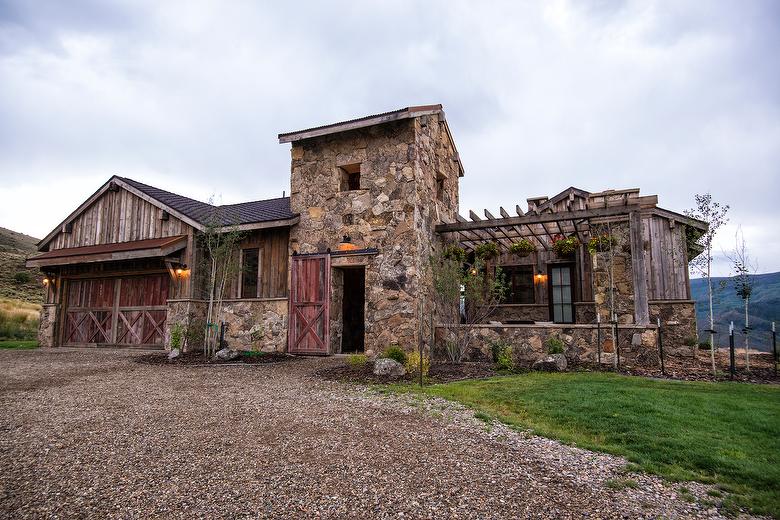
x=598 y=338
x=732 y=368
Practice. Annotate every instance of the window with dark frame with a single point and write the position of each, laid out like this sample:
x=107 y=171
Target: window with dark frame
x=350 y=177
x=520 y=281
x=250 y=271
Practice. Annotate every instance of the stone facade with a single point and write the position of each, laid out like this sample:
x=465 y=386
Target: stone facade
x=256 y=324
x=678 y=318
x=638 y=345
x=408 y=183
x=618 y=266
x=47 y=326
x=190 y=314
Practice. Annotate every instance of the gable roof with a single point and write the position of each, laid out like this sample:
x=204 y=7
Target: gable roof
x=246 y=215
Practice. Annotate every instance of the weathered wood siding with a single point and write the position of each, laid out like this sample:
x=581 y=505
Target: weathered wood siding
x=274 y=262
x=118 y=216
x=666 y=259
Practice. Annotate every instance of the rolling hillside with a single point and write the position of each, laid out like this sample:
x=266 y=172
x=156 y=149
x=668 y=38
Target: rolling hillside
x=728 y=306
x=16 y=281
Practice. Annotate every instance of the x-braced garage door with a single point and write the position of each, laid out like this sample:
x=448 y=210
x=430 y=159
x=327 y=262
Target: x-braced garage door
x=127 y=311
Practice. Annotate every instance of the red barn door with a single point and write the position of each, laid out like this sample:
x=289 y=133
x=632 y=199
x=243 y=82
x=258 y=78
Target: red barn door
x=309 y=331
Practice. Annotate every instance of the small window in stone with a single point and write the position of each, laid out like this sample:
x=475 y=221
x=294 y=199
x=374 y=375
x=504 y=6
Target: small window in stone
x=250 y=272
x=520 y=279
x=439 y=188
x=350 y=177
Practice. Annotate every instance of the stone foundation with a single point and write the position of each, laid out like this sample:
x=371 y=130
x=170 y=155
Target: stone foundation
x=47 y=327
x=678 y=318
x=638 y=345
x=252 y=324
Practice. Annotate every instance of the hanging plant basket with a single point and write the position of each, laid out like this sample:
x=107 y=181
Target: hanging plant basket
x=601 y=243
x=522 y=248
x=454 y=253
x=565 y=247
x=486 y=251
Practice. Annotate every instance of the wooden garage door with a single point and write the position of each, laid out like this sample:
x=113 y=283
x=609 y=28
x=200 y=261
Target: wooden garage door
x=127 y=311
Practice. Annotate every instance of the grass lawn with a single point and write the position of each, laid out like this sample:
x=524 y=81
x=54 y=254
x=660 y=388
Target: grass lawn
x=18 y=344
x=722 y=433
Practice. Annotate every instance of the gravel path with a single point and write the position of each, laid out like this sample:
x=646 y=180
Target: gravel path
x=88 y=433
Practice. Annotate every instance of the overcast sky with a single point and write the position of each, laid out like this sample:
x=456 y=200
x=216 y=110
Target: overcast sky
x=673 y=97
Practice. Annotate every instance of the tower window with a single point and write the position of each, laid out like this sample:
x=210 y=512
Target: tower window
x=350 y=177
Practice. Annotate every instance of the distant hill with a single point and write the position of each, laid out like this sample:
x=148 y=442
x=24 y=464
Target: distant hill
x=17 y=281
x=728 y=306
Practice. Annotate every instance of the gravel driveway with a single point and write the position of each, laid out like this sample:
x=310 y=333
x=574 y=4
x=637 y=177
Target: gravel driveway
x=86 y=433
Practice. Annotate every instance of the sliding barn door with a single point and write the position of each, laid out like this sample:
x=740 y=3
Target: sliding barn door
x=309 y=305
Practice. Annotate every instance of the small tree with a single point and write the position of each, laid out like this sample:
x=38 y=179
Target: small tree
x=744 y=268
x=221 y=262
x=465 y=294
x=714 y=214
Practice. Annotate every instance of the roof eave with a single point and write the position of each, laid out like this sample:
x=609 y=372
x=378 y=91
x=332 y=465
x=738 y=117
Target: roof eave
x=397 y=115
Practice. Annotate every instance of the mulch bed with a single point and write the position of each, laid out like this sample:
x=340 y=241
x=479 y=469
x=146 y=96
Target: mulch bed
x=438 y=373
x=197 y=358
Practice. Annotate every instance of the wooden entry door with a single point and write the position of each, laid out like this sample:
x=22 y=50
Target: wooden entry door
x=309 y=327
x=128 y=311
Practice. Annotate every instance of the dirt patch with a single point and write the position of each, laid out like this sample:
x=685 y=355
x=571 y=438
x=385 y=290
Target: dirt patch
x=439 y=373
x=197 y=358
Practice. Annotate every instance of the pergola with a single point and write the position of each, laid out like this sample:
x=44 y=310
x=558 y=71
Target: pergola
x=571 y=213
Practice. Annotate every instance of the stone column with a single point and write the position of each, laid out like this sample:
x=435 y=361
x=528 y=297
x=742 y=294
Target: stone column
x=619 y=264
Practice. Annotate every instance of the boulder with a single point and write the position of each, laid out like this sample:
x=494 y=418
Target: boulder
x=551 y=363
x=173 y=354
x=388 y=367
x=227 y=354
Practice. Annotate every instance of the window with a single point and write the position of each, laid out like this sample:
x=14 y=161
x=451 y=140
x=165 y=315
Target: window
x=250 y=272
x=350 y=177
x=561 y=301
x=520 y=281
x=440 y=188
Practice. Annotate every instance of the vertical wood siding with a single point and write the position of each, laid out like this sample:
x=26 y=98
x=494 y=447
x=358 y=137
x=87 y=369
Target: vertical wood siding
x=666 y=259
x=118 y=216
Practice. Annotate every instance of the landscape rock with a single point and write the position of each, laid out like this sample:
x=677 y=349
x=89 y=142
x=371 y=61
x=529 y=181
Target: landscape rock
x=388 y=367
x=174 y=353
x=227 y=354
x=551 y=363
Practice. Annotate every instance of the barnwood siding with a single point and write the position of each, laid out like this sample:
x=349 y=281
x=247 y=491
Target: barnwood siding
x=118 y=216
x=274 y=257
x=666 y=260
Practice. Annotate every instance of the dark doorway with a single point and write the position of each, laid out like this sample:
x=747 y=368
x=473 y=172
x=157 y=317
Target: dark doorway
x=353 y=310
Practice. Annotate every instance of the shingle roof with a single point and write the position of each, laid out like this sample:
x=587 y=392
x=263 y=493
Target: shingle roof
x=225 y=215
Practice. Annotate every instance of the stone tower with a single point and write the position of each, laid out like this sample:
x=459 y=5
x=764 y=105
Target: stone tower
x=384 y=182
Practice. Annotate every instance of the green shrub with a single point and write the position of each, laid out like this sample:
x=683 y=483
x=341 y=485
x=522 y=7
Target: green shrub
x=22 y=277
x=177 y=335
x=357 y=360
x=413 y=363
x=704 y=345
x=554 y=345
x=502 y=355
x=395 y=352
x=690 y=341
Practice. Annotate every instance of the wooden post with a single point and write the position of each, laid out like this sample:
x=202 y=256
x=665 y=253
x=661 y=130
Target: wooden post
x=661 y=347
x=641 y=308
x=774 y=347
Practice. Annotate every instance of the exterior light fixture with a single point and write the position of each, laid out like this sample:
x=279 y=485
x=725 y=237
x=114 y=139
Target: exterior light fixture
x=182 y=271
x=46 y=281
x=346 y=244
x=540 y=278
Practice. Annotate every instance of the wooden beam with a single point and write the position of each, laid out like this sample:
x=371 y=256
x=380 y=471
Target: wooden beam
x=536 y=219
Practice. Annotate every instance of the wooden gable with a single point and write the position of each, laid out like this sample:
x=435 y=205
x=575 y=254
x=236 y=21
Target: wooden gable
x=114 y=214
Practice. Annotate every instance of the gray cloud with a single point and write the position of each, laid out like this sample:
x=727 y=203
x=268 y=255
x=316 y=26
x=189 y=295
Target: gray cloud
x=672 y=97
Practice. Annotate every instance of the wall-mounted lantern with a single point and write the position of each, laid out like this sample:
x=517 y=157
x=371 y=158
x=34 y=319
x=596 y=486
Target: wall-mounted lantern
x=182 y=271
x=48 y=279
x=346 y=244
x=540 y=278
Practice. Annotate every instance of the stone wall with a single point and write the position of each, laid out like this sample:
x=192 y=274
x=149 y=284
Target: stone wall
x=394 y=211
x=585 y=312
x=678 y=318
x=618 y=265
x=252 y=324
x=47 y=326
x=638 y=345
